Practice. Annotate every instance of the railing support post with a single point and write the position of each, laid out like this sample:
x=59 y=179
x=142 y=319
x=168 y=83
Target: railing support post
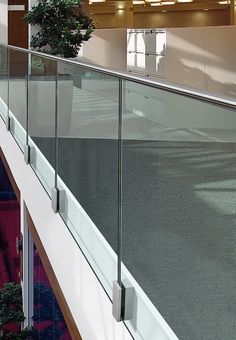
x=123 y=293
x=8 y=120
x=55 y=190
x=27 y=147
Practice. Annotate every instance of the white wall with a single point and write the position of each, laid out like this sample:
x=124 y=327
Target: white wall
x=199 y=57
x=185 y=56
x=203 y=58
x=220 y=63
x=3 y=21
x=107 y=47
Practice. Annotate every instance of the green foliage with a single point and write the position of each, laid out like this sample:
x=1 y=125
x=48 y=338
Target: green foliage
x=11 y=304
x=63 y=27
x=27 y=333
x=11 y=313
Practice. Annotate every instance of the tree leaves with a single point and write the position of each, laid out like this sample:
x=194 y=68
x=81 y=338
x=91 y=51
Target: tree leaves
x=11 y=312
x=63 y=27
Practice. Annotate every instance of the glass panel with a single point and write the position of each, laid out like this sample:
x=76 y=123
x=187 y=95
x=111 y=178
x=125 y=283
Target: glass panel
x=42 y=97
x=18 y=94
x=179 y=208
x=3 y=81
x=87 y=130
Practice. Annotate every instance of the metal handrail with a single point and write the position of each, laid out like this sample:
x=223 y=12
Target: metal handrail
x=169 y=87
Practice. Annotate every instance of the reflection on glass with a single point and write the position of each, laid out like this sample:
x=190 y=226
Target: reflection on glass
x=48 y=319
x=130 y=41
x=160 y=42
x=140 y=57
x=87 y=125
x=3 y=81
x=140 y=42
x=179 y=209
x=18 y=70
x=42 y=98
x=87 y=148
x=131 y=57
x=160 y=66
x=136 y=49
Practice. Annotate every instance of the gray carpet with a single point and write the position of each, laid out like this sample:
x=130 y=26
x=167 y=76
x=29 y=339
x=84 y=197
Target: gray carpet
x=179 y=213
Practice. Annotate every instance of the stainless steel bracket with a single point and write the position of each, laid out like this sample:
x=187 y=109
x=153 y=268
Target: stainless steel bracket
x=27 y=154
x=55 y=199
x=123 y=301
x=8 y=123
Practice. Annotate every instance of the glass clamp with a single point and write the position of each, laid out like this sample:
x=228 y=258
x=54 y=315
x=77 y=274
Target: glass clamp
x=123 y=301
x=8 y=123
x=55 y=199
x=27 y=154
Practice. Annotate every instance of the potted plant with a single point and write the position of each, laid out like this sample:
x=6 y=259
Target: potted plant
x=62 y=28
x=11 y=313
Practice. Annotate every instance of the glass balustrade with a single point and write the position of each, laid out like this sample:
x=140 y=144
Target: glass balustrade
x=178 y=174
x=87 y=159
x=3 y=82
x=42 y=113
x=142 y=172
x=18 y=73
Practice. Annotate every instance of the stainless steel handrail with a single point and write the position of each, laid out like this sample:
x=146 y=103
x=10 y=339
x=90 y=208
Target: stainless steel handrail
x=169 y=87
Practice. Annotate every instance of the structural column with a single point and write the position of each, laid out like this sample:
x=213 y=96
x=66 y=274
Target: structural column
x=85 y=7
x=233 y=12
x=3 y=21
x=124 y=13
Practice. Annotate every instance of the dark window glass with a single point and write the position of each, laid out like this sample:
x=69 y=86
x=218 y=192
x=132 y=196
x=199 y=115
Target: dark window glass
x=48 y=319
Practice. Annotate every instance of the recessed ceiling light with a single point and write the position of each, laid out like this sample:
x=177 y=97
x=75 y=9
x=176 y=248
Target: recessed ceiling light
x=166 y=3
x=164 y=11
x=182 y=1
x=91 y=1
x=205 y=9
x=227 y=2
x=137 y=2
x=153 y=1
x=156 y=4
